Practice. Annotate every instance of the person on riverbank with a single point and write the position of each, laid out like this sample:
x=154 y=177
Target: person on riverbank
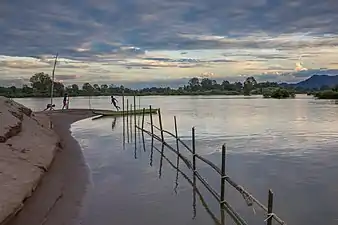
x=65 y=101
x=50 y=107
x=114 y=102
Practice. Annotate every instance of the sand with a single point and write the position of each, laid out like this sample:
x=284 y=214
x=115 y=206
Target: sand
x=59 y=196
x=27 y=148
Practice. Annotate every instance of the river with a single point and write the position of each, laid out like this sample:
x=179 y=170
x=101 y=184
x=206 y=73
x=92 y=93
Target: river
x=289 y=146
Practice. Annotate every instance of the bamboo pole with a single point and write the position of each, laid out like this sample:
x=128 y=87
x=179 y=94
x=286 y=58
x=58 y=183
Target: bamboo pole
x=178 y=156
x=151 y=126
x=123 y=104
x=152 y=137
x=135 y=134
x=162 y=137
x=127 y=122
x=223 y=175
x=194 y=167
x=193 y=150
x=131 y=122
x=144 y=145
x=160 y=122
x=270 y=204
x=223 y=184
x=53 y=78
x=123 y=121
x=135 y=112
x=139 y=107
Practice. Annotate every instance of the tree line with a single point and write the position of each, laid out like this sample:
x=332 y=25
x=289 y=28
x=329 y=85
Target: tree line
x=41 y=84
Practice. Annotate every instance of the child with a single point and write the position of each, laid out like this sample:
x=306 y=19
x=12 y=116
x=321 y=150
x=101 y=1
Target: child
x=114 y=101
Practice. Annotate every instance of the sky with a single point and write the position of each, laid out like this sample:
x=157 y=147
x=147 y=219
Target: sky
x=167 y=42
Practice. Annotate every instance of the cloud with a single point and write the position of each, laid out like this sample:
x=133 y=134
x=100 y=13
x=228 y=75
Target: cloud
x=300 y=67
x=166 y=38
x=66 y=77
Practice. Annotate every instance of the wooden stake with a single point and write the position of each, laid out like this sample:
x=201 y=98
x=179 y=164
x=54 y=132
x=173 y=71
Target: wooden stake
x=144 y=145
x=162 y=139
x=223 y=173
x=135 y=108
x=223 y=184
x=139 y=107
x=193 y=150
x=123 y=103
x=152 y=137
x=270 y=204
x=176 y=134
x=131 y=122
x=143 y=112
x=135 y=119
x=160 y=121
x=151 y=126
x=178 y=155
x=194 y=168
x=123 y=121
x=127 y=122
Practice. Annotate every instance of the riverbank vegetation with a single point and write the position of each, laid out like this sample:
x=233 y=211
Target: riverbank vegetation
x=327 y=94
x=278 y=93
x=40 y=86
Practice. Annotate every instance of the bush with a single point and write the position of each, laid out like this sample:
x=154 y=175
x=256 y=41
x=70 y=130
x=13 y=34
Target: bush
x=329 y=94
x=278 y=93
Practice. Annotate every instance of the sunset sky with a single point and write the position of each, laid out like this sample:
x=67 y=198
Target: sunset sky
x=167 y=41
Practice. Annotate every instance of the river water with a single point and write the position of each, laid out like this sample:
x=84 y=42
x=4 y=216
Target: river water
x=289 y=146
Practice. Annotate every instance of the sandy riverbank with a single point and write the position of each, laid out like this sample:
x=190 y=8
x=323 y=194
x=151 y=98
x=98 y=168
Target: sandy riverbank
x=59 y=195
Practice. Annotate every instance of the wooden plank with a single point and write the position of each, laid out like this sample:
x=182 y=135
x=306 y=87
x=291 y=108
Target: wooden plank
x=120 y=113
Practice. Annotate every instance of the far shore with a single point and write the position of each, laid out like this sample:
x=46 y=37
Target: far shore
x=60 y=194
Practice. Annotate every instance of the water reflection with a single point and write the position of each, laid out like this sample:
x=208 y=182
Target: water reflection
x=113 y=123
x=224 y=206
x=195 y=190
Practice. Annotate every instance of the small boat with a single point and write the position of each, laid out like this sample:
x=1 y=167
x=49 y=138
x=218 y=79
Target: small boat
x=121 y=113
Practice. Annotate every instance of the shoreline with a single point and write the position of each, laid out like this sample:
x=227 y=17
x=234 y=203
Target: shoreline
x=59 y=196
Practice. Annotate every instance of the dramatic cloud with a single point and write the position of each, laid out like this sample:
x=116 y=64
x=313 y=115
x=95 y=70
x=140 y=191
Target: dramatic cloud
x=125 y=40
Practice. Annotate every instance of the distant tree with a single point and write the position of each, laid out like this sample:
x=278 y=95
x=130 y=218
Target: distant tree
x=104 y=88
x=208 y=84
x=75 y=88
x=249 y=85
x=13 y=89
x=59 y=89
x=41 y=82
x=87 y=88
x=194 y=84
x=26 y=89
x=238 y=86
x=96 y=87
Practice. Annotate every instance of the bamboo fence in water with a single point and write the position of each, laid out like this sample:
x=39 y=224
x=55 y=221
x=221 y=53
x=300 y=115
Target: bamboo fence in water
x=191 y=164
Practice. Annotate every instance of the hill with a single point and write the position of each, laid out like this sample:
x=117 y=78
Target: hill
x=315 y=81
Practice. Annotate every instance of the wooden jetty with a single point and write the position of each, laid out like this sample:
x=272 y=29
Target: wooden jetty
x=111 y=113
x=121 y=113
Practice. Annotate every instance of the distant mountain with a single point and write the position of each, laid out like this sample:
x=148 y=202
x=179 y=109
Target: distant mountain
x=315 y=81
